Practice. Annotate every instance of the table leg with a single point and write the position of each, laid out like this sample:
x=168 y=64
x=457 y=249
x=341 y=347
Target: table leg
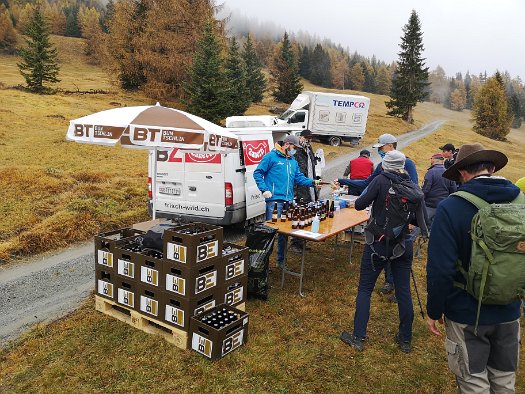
x=302 y=270
x=283 y=268
x=337 y=239
x=351 y=244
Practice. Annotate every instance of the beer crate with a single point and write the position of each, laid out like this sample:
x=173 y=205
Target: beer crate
x=104 y=283
x=178 y=310
x=193 y=249
x=106 y=242
x=127 y=294
x=188 y=282
x=150 y=301
x=235 y=260
x=235 y=291
x=216 y=342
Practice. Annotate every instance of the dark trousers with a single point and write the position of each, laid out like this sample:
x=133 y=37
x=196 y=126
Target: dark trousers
x=368 y=275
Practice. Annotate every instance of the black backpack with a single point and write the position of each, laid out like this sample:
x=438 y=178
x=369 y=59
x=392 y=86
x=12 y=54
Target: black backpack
x=401 y=204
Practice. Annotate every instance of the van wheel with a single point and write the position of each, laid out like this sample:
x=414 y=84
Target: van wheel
x=334 y=141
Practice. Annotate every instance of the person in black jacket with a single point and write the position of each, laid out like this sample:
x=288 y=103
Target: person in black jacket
x=435 y=187
x=373 y=261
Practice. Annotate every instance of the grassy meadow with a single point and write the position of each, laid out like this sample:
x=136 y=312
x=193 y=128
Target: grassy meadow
x=57 y=192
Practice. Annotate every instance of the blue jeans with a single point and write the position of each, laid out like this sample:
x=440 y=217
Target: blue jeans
x=282 y=239
x=368 y=275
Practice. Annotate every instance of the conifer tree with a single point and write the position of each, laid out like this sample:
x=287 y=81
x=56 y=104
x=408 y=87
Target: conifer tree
x=357 y=77
x=305 y=62
x=72 y=25
x=7 y=32
x=237 y=95
x=255 y=79
x=490 y=111
x=514 y=104
x=320 y=68
x=285 y=73
x=207 y=86
x=39 y=64
x=411 y=77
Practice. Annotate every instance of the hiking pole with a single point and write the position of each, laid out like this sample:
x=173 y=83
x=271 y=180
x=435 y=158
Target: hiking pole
x=417 y=294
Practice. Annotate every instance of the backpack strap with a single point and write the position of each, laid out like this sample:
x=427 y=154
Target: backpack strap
x=472 y=198
x=519 y=200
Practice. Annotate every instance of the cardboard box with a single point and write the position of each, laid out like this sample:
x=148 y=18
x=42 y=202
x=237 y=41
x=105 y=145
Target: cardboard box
x=235 y=263
x=105 y=244
x=184 y=281
x=104 y=283
x=178 y=310
x=235 y=291
x=193 y=249
x=215 y=343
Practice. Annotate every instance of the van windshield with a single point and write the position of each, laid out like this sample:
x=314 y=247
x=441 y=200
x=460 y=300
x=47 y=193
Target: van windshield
x=286 y=114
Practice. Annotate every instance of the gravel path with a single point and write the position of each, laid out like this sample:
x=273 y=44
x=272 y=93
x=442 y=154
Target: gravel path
x=49 y=287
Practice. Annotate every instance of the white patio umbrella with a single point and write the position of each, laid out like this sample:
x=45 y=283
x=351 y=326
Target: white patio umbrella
x=152 y=127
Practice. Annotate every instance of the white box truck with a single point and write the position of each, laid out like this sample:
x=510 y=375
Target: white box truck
x=332 y=118
x=211 y=188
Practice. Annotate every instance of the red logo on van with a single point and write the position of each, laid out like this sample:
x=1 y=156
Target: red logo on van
x=203 y=158
x=254 y=151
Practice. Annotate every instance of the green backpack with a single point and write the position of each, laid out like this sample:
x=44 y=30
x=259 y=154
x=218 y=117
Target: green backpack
x=496 y=274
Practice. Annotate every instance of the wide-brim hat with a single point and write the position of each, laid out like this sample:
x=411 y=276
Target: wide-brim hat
x=475 y=153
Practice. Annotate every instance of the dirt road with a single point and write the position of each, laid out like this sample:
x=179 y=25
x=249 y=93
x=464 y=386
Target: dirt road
x=47 y=288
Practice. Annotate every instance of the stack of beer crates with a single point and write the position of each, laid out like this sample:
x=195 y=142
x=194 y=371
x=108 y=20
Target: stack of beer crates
x=159 y=292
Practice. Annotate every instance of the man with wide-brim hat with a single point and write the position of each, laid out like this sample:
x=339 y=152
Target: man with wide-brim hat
x=486 y=360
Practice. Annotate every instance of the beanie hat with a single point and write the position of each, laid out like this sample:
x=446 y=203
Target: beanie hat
x=393 y=161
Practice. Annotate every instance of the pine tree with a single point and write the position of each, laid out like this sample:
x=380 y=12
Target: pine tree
x=357 y=77
x=384 y=80
x=411 y=76
x=39 y=57
x=72 y=25
x=320 y=67
x=207 y=88
x=237 y=95
x=514 y=104
x=255 y=79
x=490 y=111
x=305 y=62
x=285 y=73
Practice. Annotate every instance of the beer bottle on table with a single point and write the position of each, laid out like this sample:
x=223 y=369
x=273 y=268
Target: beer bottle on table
x=274 y=214
x=289 y=212
x=283 y=212
x=301 y=219
x=331 y=210
x=295 y=220
x=323 y=212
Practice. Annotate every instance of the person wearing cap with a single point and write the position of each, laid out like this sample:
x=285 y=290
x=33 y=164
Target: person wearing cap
x=400 y=261
x=275 y=176
x=435 y=187
x=385 y=143
x=449 y=153
x=486 y=361
x=361 y=167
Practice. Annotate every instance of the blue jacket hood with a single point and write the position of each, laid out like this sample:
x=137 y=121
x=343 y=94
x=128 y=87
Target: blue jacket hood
x=492 y=189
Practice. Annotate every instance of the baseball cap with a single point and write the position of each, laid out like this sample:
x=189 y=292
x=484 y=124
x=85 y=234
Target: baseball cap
x=364 y=152
x=306 y=134
x=438 y=156
x=385 y=139
x=292 y=139
x=448 y=147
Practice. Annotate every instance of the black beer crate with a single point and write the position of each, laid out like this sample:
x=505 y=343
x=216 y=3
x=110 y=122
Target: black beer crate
x=127 y=294
x=235 y=260
x=178 y=310
x=186 y=281
x=193 y=244
x=106 y=242
x=104 y=283
x=235 y=291
x=150 y=302
x=215 y=340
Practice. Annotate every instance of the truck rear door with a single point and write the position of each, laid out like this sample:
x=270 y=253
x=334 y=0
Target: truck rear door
x=254 y=147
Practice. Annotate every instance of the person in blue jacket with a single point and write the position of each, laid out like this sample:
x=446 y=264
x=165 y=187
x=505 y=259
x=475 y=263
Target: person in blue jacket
x=485 y=362
x=275 y=176
x=385 y=143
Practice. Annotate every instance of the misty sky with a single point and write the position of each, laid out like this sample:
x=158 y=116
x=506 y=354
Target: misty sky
x=459 y=35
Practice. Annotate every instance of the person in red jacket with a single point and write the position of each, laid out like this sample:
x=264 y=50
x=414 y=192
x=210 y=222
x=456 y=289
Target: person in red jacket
x=360 y=168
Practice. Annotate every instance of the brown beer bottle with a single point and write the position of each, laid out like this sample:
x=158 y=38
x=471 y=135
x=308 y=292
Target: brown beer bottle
x=283 y=212
x=323 y=212
x=331 y=211
x=301 y=219
x=274 y=214
x=295 y=220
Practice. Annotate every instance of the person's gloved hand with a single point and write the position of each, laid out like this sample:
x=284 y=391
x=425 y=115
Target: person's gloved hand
x=267 y=194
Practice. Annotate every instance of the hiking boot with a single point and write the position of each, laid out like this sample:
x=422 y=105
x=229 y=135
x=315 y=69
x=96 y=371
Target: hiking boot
x=392 y=299
x=357 y=343
x=386 y=289
x=405 y=346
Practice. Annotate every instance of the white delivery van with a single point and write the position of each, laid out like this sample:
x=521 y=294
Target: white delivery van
x=211 y=188
x=332 y=118
x=250 y=121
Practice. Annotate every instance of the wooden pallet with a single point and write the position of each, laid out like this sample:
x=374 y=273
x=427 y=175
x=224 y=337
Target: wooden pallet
x=142 y=322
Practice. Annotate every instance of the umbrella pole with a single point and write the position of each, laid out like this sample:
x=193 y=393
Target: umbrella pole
x=154 y=185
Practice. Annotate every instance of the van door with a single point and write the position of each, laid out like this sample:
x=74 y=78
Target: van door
x=253 y=150
x=189 y=184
